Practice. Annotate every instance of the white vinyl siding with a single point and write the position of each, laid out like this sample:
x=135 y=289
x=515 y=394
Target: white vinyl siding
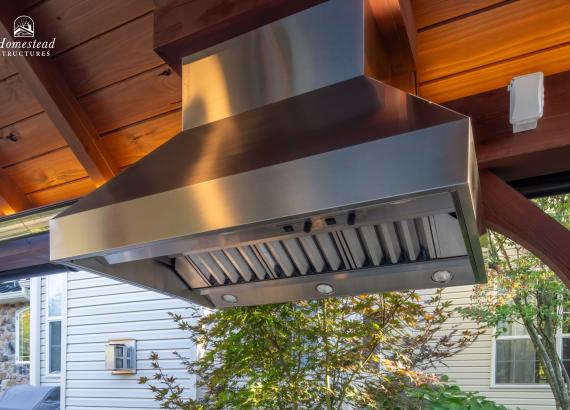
x=472 y=368
x=99 y=309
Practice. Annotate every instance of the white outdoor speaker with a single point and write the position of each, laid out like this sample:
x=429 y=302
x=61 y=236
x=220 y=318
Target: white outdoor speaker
x=527 y=101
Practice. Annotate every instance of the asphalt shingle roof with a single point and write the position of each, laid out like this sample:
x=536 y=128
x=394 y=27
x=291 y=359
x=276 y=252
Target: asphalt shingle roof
x=11 y=286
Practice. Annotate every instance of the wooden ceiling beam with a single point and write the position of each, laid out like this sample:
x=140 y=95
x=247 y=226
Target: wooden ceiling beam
x=542 y=151
x=56 y=97
x=23 y=253
x=509 y=213
x=397 y=28
x=183 y=27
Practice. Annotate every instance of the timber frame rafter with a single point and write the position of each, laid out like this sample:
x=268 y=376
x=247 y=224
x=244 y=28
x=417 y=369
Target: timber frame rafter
x=50 y=88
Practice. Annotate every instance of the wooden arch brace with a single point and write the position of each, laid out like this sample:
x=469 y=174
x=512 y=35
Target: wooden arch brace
x=511 y=214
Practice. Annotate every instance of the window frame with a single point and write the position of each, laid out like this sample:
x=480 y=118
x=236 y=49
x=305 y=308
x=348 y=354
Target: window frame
x=17 y=328
x=50 y=319
x=559 y=336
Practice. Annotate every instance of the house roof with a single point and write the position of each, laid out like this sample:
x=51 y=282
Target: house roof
x=12 y=292
x=10 y=286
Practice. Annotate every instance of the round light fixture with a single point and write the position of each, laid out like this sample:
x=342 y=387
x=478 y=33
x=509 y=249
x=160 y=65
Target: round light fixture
x=324 y=288
x=442 y=276
x=229 y=298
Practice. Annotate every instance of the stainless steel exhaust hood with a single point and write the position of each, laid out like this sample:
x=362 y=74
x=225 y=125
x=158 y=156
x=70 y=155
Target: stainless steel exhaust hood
x=298 y=175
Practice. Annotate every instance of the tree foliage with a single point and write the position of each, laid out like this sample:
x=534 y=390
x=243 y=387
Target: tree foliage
x=436 y=396
x=521 y=289
x=313 y=354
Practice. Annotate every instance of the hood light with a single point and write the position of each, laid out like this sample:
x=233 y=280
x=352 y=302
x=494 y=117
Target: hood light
x=229 y=298
x=324 y=288
x=442 y=276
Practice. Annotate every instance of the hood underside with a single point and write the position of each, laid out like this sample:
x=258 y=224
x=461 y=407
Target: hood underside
x=296 y=168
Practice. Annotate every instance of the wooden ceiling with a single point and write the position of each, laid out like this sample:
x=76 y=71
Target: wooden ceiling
x=104 y=51
x=468 y=47
x=131 y=99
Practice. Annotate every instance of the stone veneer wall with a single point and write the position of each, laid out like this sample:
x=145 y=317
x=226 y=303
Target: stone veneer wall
x=10 y=372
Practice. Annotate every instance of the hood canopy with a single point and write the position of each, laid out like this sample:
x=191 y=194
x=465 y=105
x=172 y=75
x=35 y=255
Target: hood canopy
x=296 y=168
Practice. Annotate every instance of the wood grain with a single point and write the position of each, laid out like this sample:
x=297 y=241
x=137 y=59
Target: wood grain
x=489 y=111
x=18 y=102
x=12 y=198
x=6 y=68
x=75 y=21
x=136 y=99
x=63 y=192
x=397 y=31
x=54 y=168
x=35 y=135
x=544 y=150
x=429 y=12
x=51 y=90
x=111 y=57
x=24 y=252
x=126 y=146
x=509 y=31
x=25 y=4
x=550 y=61
x=183 y=27
x=508 y=212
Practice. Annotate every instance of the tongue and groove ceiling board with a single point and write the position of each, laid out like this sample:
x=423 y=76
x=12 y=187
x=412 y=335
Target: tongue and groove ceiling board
x=104 y=52
x=468 y=47
x=52 y=169
x=75 y=22
x=36 y=135
x=467 y=53
x=63 y=192
x=110 y=58
x=429 y=13
x=135 y=99
x=129 y=144
x=18 y=102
